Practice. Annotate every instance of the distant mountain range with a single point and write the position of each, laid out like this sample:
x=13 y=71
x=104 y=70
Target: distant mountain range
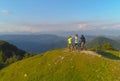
x=44 y=42
x=36 y=43
x=102 y=40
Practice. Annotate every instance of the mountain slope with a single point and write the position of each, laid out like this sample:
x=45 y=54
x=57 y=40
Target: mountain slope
x=9 y=53
x=9 y=49
x=61 y=65
x=102 y=40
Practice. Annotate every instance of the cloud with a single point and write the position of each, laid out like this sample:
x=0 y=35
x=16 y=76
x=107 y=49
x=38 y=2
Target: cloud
x=116 y=26
x=39 y=27
x=4 y=12
x=82 y=26
x=104 y=27
x=60 y=26
x=50 y=27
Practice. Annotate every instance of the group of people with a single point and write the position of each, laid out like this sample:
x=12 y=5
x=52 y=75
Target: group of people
x=76 y=43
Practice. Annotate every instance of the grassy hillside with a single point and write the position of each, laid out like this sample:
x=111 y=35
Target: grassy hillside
x=61 y=65
x=102 y=40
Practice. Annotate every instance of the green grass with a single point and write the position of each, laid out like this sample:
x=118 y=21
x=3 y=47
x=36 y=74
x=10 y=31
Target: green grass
x=61 y=65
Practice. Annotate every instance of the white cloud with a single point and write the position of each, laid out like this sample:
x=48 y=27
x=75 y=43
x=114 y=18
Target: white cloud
x=41 y=27
x=111 y=26
x=4 y=12
x=104 y=27
x=82 y=26
x=116 y=26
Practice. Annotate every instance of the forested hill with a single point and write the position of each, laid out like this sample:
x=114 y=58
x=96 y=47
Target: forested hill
x=10 y=53
x=103 y=40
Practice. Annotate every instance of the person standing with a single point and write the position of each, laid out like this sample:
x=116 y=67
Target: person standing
x=83 y=41
x=69 y=43
x=76 y=40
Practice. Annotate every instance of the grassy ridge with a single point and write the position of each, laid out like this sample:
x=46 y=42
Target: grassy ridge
x=61 y=65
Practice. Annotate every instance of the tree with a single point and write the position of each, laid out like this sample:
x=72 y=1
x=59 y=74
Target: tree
x=2 y=57
x=95 y=48
x=12 y=59
x=107 y=46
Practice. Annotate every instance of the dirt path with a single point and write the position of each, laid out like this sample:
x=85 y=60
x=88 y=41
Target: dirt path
x=91 y=53
x=86 y=52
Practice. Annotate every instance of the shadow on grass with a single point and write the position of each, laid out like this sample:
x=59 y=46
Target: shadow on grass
x=108 y=55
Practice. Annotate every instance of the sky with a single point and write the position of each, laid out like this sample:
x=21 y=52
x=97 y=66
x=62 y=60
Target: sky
x=35 y=16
